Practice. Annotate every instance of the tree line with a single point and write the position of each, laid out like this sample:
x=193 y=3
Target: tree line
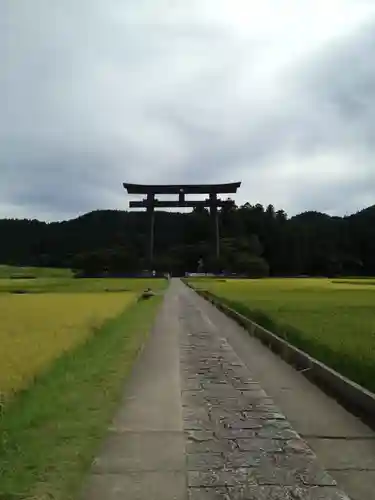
x=254 y=240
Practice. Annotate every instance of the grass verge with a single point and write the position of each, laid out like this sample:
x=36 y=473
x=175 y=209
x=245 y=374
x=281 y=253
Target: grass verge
x=49 y=434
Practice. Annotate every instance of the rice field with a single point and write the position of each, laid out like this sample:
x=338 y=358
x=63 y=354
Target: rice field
x=44 y=316
x=50 y=432
x=63 y=284
x=35 y=329
x=35 y=272
x=334 y=320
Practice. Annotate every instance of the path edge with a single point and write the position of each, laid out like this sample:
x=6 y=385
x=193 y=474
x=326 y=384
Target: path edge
x=349 y=394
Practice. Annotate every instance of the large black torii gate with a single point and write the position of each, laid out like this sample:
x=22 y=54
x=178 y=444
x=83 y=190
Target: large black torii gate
x=150 y=203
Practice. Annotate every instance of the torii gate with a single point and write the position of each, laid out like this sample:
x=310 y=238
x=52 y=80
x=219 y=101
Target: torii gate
x=150 y=203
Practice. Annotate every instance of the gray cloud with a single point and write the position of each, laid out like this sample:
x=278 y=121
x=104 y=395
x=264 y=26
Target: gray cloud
x=95 y=93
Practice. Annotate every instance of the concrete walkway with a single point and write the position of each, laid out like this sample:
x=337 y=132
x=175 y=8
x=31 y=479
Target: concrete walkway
x=196 y=422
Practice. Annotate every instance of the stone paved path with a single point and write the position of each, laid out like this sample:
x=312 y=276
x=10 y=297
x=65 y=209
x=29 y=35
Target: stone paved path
x=227 y=439
x=238 y=444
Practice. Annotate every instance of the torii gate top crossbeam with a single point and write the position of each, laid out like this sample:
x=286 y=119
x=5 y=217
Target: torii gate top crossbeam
x=181 y=188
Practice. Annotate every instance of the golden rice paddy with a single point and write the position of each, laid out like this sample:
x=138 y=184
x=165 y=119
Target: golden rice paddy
x=35 y=329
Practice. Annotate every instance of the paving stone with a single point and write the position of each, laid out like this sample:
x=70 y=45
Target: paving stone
x=195 y=418
x=197 y=425
x=260 y=404
x=236 y=423
x=219 y=385
x=288 y=447
x=199 y=436
x=273 y=432
x=197 y=413
x=223 y=393
x=222 y=432
x=250 y=395
x=231 y=402
x=215 y=478
x=208 y=494
x=244 y=377
x=210 y=446
x=205 y=365
x=187 y=373
x=282 y=493
x=191 y=385
x=236 y=363
x=270 y=428
x=192 y=397
x=220 y=413
x=245 y=386
x=287 y=471
x=258 y=444
x=205 y=461
x=193 y=403
x=210 y=378
x=266 y=493
x=263 y=415
x=266 y=432
x=298 y=446
x=243 y=459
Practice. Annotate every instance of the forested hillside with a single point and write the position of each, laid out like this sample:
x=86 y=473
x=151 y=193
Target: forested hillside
x=310 y=243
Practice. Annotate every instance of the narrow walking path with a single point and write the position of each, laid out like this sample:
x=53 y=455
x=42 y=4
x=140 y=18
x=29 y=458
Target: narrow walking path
x=195 y=424
x=143 y=457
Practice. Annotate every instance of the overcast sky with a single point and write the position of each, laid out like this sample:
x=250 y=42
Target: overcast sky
x=277 y=93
